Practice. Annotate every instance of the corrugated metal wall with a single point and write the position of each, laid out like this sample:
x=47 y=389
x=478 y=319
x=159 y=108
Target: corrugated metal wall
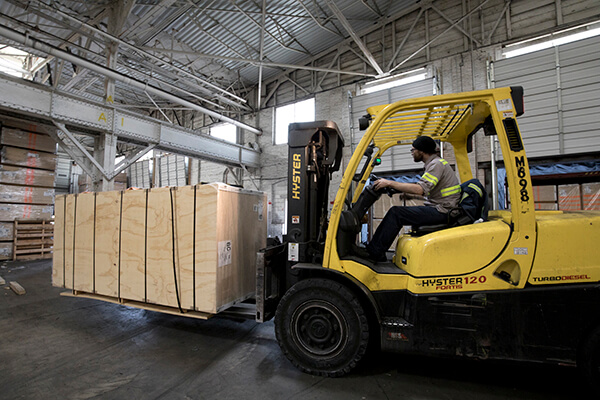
x=562 y=106
x=62 y=177
x=401 y=158
x=172 y=170
x=139 y=175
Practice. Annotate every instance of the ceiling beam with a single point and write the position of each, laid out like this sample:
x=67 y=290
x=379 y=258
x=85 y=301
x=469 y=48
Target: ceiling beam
x=320 y=25
x=334 y=8
x=426 y=45
x=63 y=55
x=346 y=42
x=256 y=62
x=96 y=118
x=267 y=32
x=152 y=56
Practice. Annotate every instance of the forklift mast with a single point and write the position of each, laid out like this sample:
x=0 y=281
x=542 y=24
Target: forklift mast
x=315 y=152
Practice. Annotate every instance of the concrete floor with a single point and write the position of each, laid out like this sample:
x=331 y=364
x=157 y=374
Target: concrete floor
x=59 y=347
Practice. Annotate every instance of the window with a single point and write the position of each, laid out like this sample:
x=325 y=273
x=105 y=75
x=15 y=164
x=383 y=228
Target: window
x=302 y=111
x=227 y=132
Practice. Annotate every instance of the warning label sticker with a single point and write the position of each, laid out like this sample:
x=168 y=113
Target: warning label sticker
x=504 y=105
x=225 y=253
x=293 y=251
x=521 y=251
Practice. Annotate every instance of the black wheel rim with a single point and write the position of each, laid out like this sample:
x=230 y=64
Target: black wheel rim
x=319 y=328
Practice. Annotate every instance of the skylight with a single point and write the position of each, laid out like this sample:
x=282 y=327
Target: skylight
x=18 y=63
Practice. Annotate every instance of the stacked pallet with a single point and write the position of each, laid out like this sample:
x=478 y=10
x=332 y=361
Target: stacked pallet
x=27 y=165
x=33 y=239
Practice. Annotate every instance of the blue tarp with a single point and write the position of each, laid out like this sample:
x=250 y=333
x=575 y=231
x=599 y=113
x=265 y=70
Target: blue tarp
x=546 y=169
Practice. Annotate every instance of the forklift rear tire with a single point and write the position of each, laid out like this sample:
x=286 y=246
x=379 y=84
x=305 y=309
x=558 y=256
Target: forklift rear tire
x=321 y=327
x=590 y=360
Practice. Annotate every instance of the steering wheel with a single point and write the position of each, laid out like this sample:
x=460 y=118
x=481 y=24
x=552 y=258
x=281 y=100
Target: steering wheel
x=388 y=190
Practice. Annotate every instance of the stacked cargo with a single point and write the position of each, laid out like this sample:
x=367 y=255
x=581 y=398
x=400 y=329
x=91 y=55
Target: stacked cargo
x=381 y=207
x=545 y=197
x=189 y=248
x=27 y=165
x=85 y=183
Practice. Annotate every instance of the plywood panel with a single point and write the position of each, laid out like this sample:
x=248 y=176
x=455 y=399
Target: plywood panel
x=133 y=246
x=183 y=205
x=240 y=222
x=108 y=207
x=160 y=279
x=252 y=215
x=227 y=232
x=206 y=248
x=58 y=272
x=83 y=278
x=70 y=208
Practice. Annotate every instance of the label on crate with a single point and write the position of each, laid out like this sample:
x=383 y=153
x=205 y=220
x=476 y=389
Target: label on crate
x=225 y=253
x=259 y=207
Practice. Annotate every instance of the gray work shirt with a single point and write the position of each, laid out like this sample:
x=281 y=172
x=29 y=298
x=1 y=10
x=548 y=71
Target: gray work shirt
x=440 y=185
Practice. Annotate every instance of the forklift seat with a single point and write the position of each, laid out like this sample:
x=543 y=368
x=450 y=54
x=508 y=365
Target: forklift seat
x=473 y=206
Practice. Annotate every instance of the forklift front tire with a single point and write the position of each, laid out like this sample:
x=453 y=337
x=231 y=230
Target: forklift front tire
x=321 y=327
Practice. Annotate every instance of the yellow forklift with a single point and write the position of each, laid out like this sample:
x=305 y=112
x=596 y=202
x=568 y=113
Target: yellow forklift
x=523 y=285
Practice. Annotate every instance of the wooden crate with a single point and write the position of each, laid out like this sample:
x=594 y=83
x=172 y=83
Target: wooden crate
x=26 y=176
x=27 y=158
x=25 y=139
x=192 y=247
x=11 y=212
x=26 y=194
x=32 y=239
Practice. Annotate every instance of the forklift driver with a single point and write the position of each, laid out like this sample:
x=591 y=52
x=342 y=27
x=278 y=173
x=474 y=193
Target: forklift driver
x=438 y=184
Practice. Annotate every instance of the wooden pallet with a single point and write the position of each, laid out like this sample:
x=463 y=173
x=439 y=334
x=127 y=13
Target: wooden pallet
x=33 y=239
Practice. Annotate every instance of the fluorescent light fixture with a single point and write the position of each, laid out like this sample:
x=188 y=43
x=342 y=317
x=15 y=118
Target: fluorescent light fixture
x=551 y=42
x=396 y=80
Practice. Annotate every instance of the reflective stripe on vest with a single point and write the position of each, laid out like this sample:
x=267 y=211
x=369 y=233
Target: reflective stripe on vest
x=451 y=190
x=476 y=188
x=430 y=178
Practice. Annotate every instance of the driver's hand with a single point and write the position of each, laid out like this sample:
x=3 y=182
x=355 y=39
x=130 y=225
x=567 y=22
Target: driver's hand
x=381 y=184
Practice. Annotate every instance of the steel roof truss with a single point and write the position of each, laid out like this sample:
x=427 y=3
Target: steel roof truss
x=334 y=8
x=47 y=104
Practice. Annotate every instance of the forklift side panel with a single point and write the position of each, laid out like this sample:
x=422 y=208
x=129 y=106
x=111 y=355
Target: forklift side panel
x=567 y=248
x=455 y=251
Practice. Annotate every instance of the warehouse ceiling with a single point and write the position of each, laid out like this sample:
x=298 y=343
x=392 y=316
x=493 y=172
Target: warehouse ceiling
x=211 y=53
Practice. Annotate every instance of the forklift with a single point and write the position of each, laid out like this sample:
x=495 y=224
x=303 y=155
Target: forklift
x=522 y=285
